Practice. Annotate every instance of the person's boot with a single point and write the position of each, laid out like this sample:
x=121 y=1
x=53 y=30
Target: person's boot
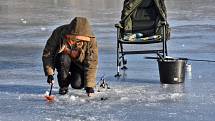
x=63 y=90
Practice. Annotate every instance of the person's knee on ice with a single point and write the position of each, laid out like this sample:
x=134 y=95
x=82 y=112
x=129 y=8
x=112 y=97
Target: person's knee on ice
x=77 y=85
x=75 y=43
x=77 y=81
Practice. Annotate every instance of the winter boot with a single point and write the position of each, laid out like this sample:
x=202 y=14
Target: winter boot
x=63 y=90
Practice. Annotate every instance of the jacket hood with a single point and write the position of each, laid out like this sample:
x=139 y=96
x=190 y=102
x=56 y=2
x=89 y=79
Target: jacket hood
x=81 y=27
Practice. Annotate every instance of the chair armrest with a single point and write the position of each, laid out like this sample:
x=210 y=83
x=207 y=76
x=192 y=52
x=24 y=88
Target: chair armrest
x=118 y=25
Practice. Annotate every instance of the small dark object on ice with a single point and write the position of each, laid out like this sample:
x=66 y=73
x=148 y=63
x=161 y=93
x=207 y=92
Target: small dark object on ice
x=104 y=98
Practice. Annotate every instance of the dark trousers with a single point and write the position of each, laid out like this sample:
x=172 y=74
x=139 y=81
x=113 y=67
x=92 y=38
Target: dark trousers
x=68 y=72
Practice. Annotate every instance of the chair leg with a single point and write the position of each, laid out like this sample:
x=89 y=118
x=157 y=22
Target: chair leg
x=124 y=61
x=118 y=61
x=124 y=67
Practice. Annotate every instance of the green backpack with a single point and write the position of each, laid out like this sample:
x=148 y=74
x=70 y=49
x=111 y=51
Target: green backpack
x=144 y=16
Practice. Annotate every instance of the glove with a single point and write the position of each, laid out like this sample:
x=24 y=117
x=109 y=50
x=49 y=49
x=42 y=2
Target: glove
x=50 y=79
x=89 y=91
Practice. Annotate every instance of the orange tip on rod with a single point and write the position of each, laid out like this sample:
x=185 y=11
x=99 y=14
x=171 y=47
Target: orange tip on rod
x=49 y=98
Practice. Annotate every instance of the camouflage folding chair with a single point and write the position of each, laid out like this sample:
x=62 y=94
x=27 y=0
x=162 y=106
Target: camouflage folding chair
x=142 y=22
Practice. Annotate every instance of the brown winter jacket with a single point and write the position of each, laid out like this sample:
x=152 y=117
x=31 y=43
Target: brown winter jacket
x=88 y=59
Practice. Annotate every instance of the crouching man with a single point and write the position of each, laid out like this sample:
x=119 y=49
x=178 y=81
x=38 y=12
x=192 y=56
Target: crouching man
x=72 y=51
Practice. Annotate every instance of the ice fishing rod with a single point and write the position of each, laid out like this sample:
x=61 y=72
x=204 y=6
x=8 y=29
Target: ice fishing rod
x=200 y=60
x=50 y=97
x=50 y=91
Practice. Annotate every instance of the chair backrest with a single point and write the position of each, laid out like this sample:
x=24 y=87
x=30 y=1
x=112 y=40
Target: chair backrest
x=145 y=18
x=142 y=16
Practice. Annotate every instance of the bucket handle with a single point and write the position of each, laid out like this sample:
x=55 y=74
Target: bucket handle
x=160 y=56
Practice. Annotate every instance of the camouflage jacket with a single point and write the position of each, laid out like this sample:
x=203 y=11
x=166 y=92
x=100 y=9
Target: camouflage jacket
x=88 y=59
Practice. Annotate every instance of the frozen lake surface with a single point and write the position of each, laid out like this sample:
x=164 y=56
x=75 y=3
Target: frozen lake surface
x=137 y=96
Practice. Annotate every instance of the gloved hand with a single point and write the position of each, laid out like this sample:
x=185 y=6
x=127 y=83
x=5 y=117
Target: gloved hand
x=89 y=91
x=50 y=79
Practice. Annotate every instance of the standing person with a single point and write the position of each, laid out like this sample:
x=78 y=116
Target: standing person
x=72 y=50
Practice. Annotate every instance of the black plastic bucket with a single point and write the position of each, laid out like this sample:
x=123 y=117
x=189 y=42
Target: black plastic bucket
x=172 y=71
